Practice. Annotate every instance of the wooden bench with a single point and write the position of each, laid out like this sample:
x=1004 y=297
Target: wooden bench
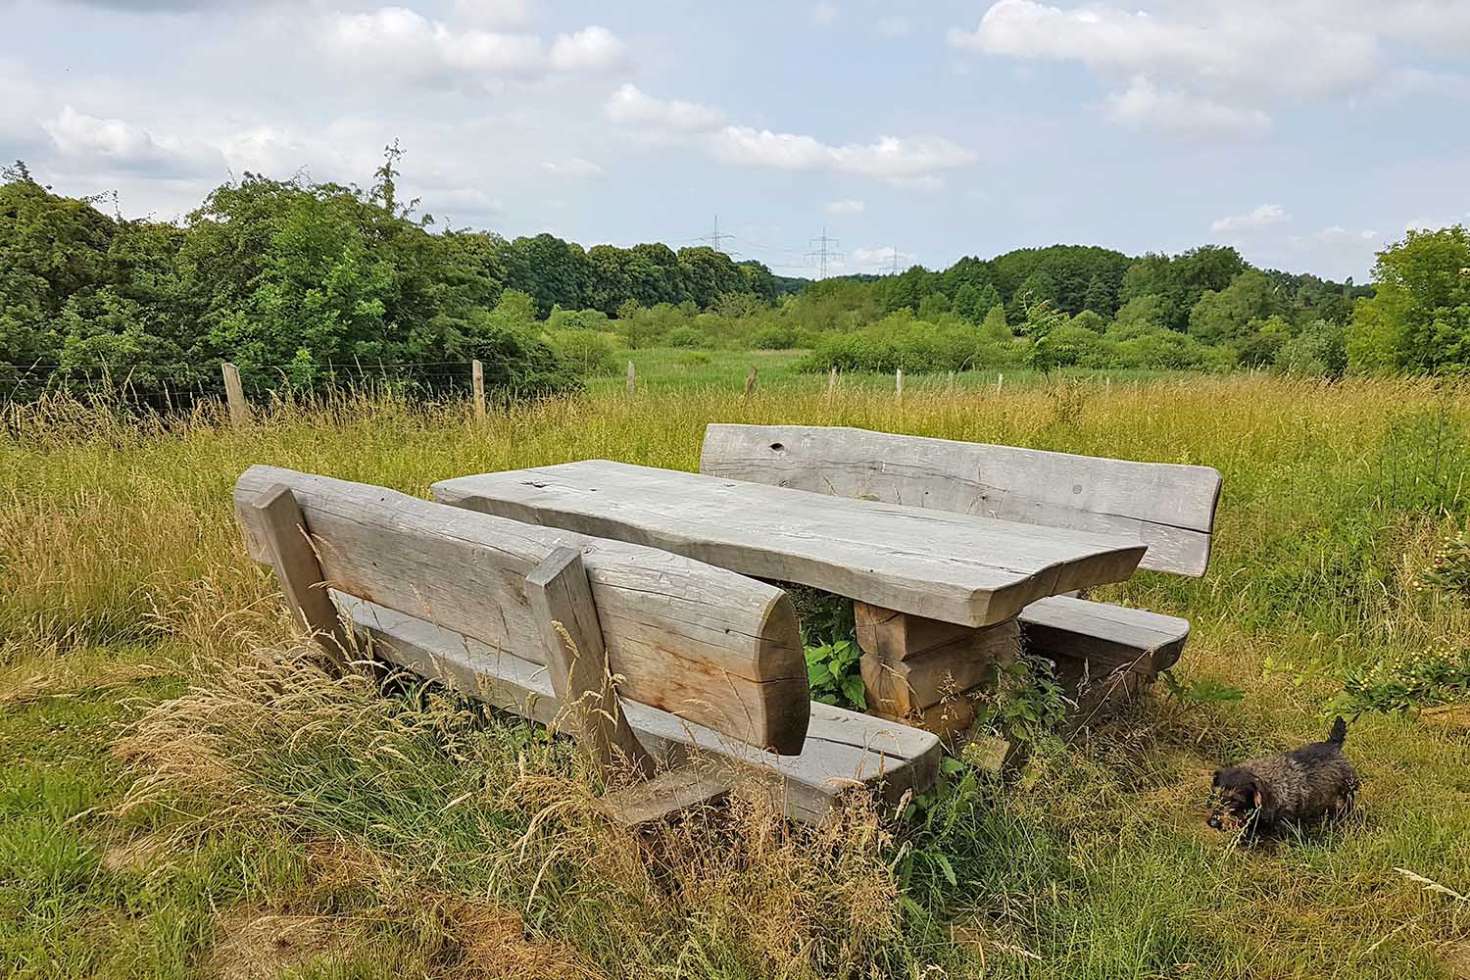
x=648 y=657
x=1169 y=507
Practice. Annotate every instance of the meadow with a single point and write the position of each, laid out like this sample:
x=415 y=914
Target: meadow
x=181 y=795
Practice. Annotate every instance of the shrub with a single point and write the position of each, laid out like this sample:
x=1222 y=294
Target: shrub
x=1320 y=351
x=686 y=337
x=774 y=336
x=585 y=351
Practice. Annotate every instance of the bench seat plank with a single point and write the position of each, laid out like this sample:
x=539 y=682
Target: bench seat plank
x=959 y=568
x=1106 y=635
x=843 y=749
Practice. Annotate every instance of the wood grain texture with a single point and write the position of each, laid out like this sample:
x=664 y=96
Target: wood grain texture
x=963 y=569
x=276 y=521
x=668 y=793
x=1108 y=636
x=700 y=642
x=900 y=682
x=1169 y=507
x=843 y=750
x=235 y=394
x=571 y=637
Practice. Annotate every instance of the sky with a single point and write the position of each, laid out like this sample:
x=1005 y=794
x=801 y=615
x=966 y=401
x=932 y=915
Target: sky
x=1306 y=133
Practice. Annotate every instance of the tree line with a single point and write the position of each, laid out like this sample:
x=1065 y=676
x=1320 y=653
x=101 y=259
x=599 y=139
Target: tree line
x=304 y=284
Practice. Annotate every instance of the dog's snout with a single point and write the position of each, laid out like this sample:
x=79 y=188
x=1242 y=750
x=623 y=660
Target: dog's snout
x=1214 y=821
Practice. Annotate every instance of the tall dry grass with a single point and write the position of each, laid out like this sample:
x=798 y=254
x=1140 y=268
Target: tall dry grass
x=117 y=535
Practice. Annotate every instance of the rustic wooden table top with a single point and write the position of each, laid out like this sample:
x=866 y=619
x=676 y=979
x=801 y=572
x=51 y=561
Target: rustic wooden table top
x=974 y=571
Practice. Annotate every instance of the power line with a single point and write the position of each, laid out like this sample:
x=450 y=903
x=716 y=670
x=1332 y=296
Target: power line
x=823 y=248
x=715 y=239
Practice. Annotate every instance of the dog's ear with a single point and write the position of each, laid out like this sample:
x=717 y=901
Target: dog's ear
x=1215 y=779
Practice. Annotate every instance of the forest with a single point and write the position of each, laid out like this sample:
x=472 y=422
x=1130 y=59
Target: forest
x=304 y=285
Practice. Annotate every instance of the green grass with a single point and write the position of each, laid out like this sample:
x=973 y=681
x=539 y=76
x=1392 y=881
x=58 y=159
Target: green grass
x=665 y=369
x=175 y=803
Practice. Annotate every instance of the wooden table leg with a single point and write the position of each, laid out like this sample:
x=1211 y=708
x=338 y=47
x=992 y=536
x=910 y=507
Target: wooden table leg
x=918 y=670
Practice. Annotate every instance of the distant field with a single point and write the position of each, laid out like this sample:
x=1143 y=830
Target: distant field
x=173 y=803
x=665 y=368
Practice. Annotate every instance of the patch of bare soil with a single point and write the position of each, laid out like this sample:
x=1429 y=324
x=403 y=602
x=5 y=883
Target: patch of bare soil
x=1456 y=959
x=261 y=946
x=494 y=946
x=137 y=856
x=1454 y=717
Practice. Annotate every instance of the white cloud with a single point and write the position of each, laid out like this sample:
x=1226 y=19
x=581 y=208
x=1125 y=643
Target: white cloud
x=494 y=13
x=880 y=257
x=405 y=43
x=1143 y=105
x=892 y=158
x=86 y=139
x=1236 y=61
x=1338 y=235
x=1258 y=217
x=824 y=14
x=845 y=206
x=1247 y=45
x=592 y=49
x=630 y=105
x=572 y=167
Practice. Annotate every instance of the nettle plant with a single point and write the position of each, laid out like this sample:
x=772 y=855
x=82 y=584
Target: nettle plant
x=829 y=635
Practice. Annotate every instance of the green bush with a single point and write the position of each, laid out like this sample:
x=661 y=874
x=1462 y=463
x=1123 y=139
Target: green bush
x=685 y=337
x=1319 y=351
x=585 y=351
x=774 y=336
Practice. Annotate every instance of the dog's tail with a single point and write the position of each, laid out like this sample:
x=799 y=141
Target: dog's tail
x=1339 y=732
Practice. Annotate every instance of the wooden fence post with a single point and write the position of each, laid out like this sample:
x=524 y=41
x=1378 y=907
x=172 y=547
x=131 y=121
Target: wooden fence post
x=999 y=380
x=632 y=379
x=831 y=382
x=750 y=379
x=235 y=394
x=477 y=379
x=951 y=381
x=898 y=384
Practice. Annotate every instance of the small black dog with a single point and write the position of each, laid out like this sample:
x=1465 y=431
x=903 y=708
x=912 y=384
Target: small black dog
x=1262 y=796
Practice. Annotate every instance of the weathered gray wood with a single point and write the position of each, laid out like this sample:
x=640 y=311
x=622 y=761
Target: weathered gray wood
x=1108 y=636
x=961 y=569
x=632 y=379
x=700 y=642
x=235 y=394
x=477 y=382
x=900 y=681
x=1169 y=507
x=561 y=600
x=669 y=792
x=275 y=520
x=843 y=749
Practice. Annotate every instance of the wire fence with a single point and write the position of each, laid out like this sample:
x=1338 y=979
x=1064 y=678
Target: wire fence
x=178 y=387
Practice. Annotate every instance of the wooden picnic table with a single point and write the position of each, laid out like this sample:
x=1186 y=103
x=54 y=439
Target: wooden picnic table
x=936 y=593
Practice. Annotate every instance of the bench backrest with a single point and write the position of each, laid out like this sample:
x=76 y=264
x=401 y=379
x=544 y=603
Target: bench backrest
x=1170 y=507
x=702 y=643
